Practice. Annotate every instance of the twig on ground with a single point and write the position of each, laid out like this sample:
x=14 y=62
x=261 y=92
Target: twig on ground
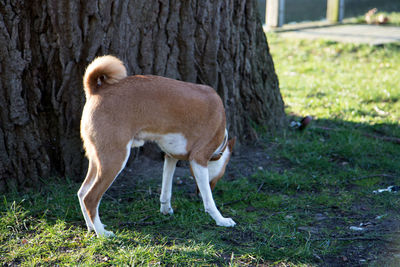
x=259 y=188
x=141 y=222
x=235 y=201
x=360 y=238
x=326 y=128
x=371 y=176
x=355 y=238
x=394 y=140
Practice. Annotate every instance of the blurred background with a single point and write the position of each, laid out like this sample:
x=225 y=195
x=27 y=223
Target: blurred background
x=311 y=10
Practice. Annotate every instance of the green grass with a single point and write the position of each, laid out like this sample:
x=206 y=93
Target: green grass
x=347 y=82
x=296 y=212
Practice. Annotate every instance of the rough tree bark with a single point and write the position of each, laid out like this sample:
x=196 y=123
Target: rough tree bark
x=45 y=46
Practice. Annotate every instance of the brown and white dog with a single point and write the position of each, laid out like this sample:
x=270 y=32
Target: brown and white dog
x=186 y=120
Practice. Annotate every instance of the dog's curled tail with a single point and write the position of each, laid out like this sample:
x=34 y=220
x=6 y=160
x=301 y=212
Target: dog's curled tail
x=105 y=69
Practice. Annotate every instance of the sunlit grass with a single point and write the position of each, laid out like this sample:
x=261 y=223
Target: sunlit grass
x=358 y=83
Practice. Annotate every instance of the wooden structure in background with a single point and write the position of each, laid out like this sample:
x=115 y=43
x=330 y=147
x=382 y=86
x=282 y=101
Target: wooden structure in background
x=275 y=12
x=335 y=11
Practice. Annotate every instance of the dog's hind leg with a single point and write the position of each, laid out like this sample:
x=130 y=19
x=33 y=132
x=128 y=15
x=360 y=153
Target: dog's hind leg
x=110 y=165
x=87 y=183
x=201 y=175
x=166 y=190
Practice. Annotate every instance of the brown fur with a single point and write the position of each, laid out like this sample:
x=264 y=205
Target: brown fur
x=106 y=69
x=119 y=108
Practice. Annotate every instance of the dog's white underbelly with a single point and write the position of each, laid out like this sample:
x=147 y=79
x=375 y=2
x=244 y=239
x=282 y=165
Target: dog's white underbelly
x=171 y=143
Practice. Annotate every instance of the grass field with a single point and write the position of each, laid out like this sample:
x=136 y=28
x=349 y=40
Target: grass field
x=296 y=211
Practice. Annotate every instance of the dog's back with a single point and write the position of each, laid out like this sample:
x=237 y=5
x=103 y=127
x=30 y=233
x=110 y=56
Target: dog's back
x=151 y=104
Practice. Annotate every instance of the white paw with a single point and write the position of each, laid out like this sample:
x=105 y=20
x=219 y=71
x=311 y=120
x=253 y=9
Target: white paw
x=227 y=222
x=106 y=234
x=166 y=210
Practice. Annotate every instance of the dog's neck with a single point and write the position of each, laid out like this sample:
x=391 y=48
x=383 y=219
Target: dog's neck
x=220 y=150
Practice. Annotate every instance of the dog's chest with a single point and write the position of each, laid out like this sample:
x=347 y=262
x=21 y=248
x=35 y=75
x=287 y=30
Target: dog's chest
x=171 y=143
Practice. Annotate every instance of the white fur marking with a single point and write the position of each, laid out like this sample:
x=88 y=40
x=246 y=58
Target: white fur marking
x=171 y=143
x=81 y=194
x=215 y=167
x=99 y=227
x=166 y=190
x=137 y=142
x=201 y=175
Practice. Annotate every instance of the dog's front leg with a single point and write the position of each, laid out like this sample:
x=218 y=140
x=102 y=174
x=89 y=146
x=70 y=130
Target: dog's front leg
x=202 y=179
x=166 y=190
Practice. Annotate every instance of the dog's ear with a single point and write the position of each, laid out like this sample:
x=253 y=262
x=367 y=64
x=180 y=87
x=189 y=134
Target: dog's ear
x=231 y=144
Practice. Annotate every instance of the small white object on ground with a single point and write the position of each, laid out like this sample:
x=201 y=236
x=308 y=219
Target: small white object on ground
x=392 y=188
x=356 y=228
x=295 y=124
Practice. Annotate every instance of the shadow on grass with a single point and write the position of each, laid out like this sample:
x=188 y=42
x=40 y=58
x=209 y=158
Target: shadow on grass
x=295 y=198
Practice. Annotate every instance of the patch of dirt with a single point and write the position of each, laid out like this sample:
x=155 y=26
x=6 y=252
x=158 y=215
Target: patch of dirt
x=246 y=160
x=376 y=242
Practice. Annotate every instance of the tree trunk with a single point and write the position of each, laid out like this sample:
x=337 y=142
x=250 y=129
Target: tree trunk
x=45 y=46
